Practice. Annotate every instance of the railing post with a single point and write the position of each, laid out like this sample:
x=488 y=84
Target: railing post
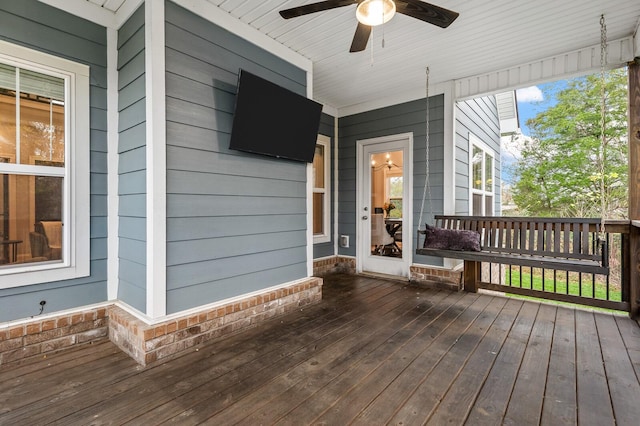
x=634 y=183
x=634 y=270
x=472 y=274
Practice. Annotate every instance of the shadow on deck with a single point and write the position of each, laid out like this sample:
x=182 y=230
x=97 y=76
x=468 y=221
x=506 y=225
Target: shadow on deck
x=372 y=352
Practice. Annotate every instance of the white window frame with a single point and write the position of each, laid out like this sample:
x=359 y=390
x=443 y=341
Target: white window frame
x=475 y=141
x=325 y=237
x=75 y=237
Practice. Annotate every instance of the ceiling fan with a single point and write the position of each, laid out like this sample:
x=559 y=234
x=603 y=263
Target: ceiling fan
x=370 y=13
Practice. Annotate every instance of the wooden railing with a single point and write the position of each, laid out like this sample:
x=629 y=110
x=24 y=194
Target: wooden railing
x=543 y=257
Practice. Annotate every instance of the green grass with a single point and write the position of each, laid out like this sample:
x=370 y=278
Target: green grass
x=575 y=289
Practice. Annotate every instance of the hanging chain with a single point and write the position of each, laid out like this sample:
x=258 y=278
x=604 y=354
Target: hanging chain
x=603 y=111
x=426 y=191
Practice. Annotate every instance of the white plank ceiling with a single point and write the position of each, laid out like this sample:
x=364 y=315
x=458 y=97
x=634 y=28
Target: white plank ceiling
x=110 y=5
x=489 y=35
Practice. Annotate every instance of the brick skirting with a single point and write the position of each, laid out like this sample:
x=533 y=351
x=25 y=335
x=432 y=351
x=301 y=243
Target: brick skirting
x=435 y=277
x=42 y=336
x=147 y=343
x=334 y=264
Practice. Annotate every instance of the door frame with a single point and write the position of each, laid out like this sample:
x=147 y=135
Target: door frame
x=395 y=266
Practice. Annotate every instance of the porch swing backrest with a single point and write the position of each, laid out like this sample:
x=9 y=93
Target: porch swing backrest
x=569 y=244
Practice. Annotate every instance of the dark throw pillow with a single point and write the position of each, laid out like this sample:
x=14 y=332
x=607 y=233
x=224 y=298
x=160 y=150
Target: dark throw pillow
x=451 y=239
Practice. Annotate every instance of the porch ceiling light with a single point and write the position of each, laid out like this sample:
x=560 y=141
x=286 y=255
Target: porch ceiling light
x=375 y=12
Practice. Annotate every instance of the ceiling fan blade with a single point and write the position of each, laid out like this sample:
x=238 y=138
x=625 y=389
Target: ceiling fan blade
x=427 y=12
x=315 y=7
x=360 y=38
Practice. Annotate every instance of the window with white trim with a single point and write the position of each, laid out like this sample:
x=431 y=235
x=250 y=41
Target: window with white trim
x=322 y=191
x=44 y=167
x=481 y=176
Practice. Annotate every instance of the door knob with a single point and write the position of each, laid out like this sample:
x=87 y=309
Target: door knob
x=364 y=218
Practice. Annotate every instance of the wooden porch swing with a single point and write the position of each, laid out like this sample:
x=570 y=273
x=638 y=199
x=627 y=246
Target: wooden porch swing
x=568 y=244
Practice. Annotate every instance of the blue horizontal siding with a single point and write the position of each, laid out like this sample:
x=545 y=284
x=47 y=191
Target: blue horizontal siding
x=132 y=162
x=396 y=119
x=33 y=24
x=236 y=222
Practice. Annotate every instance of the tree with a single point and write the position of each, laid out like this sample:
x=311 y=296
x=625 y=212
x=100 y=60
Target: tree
x=564 y=168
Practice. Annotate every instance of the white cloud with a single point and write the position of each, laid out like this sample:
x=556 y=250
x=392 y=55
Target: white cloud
x=529 y=94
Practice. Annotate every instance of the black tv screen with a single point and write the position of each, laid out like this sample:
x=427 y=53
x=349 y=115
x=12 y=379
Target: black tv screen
x=272 y=120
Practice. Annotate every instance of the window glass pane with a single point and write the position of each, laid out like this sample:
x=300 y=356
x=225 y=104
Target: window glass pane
x=476 y=168
x=476 y=207
x=488 y=173
x=41 y=85
x=397 y=212
x=488 y=205
x=30 y=219
x=8 y=77
x=318 y=167
x=395 y=187
x=7 y=114
x=41 y=130
x=318 y=213
x=41 y=118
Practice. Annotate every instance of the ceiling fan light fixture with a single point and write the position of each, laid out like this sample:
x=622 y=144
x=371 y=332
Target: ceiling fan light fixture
x=375 y=12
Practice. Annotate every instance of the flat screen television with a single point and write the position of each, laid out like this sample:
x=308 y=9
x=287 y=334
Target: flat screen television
x=274 y=121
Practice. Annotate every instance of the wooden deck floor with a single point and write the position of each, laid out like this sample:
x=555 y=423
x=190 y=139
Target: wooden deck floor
x=373 y=352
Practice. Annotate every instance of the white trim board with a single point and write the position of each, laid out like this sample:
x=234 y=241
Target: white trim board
x=156 y=151
x=113 y=198
x=562 y=66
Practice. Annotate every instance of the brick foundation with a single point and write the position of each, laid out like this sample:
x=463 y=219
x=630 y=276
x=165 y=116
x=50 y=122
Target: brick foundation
x=435 y=277
x=42 y=336
x=334 y=264
x=147 y=343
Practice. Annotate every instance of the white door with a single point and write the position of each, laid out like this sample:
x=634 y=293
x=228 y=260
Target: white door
x=385 y=205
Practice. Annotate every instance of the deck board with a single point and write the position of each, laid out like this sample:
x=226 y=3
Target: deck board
x=337 y=341
x=560 y=406
x=326 y=365
x=398 y=352
x=332 y=378
x=457 y=344
x=531 y=382
x=493 y=399
x=460 y=397
x=592 y=387
x=190 y=385
x=374 y=351
x=624 y=387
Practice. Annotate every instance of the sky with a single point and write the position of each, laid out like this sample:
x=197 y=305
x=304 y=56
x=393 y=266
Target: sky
x=535 y=99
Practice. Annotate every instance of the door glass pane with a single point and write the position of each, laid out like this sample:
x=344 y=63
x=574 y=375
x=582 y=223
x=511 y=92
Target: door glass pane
x=387 y=192
x=31 y=220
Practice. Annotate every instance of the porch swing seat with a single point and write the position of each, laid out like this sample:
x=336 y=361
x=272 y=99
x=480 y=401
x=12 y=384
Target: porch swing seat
x=569 y=244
